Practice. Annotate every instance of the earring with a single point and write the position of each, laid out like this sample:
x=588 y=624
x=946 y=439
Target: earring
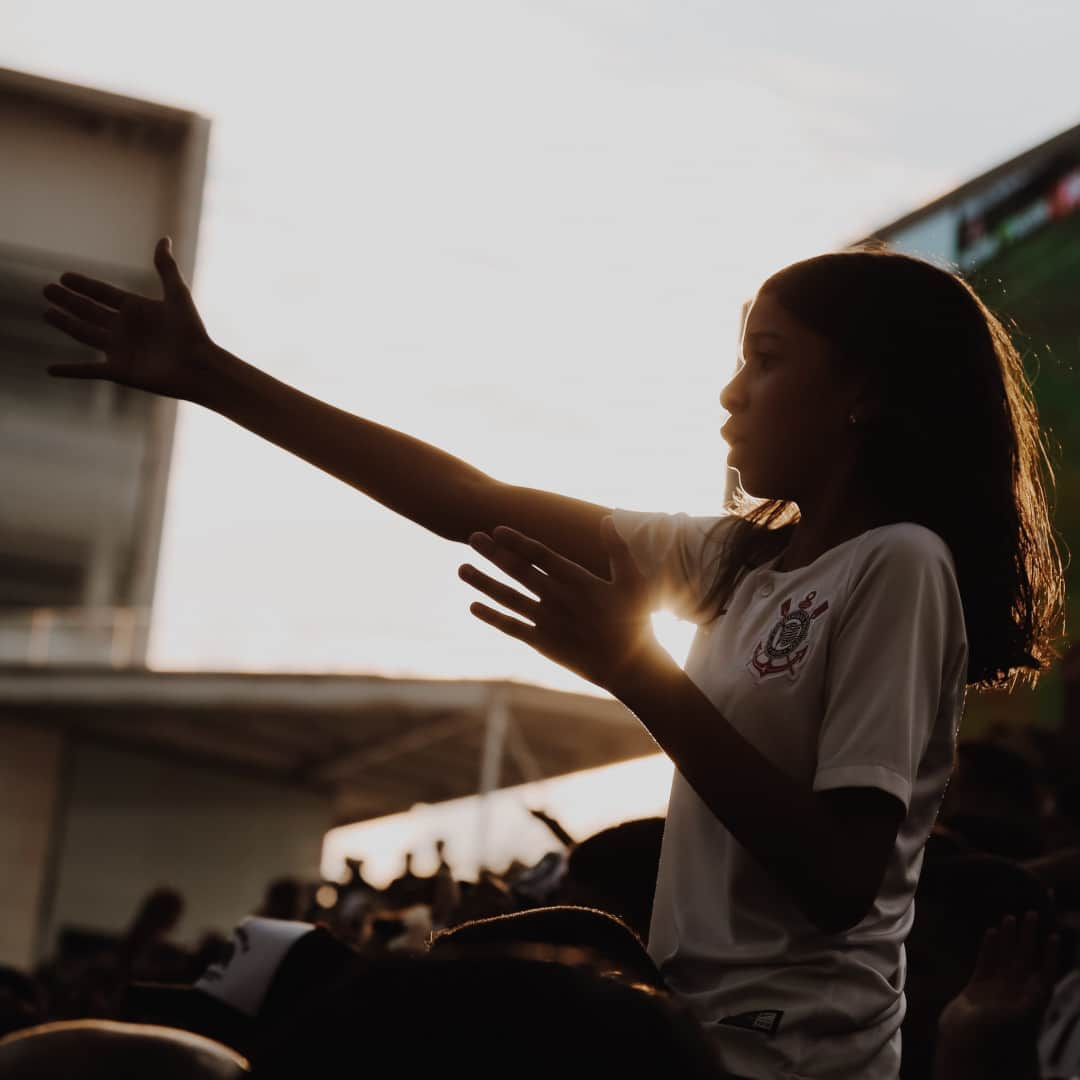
x=851 y=419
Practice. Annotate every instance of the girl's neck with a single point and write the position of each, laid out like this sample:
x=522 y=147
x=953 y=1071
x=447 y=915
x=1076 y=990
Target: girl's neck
x=813 y=536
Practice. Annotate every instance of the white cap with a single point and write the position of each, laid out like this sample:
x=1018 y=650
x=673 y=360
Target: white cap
x=258 y=948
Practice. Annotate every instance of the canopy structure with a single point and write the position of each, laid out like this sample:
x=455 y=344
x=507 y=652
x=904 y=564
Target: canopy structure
x=374 y=745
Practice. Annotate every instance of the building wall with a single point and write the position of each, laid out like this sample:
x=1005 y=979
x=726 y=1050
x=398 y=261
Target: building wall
x=90 y=181
x=30 y=777
x=133 y=822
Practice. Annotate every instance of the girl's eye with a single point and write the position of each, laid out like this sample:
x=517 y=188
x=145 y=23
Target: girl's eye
x=757 y=360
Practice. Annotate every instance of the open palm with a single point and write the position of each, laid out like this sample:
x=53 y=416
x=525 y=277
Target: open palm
x=157 y=345
x=1002 y=1004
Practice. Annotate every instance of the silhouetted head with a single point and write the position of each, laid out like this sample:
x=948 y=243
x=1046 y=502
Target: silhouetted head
x=158 y=914
x=22 y=1000
x=284 y=899
x=503 y=1015
x=618 y=949
x=106 y=1050
x=616 y=870
x=993 y=800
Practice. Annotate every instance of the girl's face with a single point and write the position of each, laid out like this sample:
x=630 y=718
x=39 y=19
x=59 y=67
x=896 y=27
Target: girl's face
x=789 y=407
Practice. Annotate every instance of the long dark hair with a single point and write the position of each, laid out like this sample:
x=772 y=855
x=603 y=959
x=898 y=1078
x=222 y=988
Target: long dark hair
x=956 y=447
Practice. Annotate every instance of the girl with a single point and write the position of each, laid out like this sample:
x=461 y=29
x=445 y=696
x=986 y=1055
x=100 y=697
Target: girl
x=896 y=548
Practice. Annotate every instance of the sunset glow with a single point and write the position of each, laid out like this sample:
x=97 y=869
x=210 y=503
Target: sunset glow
x=523 y=233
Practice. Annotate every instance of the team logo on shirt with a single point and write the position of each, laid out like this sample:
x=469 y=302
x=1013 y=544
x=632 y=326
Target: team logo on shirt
x=786 y=646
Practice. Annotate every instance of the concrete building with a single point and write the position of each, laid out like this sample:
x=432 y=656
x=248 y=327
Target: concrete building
x=115 y=779
x=90 y=181
x=115 y=782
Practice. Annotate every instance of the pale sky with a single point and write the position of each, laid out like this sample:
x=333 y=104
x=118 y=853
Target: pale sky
x=521 y=231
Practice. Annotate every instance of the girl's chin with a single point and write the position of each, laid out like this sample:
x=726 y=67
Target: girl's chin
x=747 y=480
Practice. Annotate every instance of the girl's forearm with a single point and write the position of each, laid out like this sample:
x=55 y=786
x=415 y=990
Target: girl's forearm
x=782 y=824
x=410 y=477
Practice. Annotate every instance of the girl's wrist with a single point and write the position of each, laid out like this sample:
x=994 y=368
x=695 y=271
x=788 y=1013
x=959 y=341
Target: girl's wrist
x=219 y=376
x=643 y=675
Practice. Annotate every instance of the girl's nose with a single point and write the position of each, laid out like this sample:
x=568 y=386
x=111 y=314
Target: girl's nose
x=729 y=397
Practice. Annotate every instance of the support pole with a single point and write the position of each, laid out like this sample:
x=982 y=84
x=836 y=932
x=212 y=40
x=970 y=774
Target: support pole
x=496 y=724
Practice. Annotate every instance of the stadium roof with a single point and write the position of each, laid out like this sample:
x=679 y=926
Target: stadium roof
x=375 y=745
x=1068 y=140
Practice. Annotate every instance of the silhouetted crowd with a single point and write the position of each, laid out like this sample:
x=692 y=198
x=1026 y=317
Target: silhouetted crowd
x=540 y=970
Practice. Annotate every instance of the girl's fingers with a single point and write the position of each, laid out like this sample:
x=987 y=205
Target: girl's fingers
x=1025 y=958
x=552 y=562
x=515 y=629
x=88 y=310
x=510 y=598
x=107 y=294
x=520 y=570
x=1051 y=960
x=986 y=963
x=1005 y=946
x=95 y=336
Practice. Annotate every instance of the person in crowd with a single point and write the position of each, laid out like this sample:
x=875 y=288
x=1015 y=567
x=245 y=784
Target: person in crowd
x=355 y=880
x=273 y=967
x=985 y=1032
x=491 y=1016
x=445 y=897
x=23 y=1002
x=889 y=546
x=211 y=948
x=145 y=949
x=1066 y=819
x=440 y=855
x=1059 y=1033
x=968 y=910
x=89 y=973
x=622 y=950
x=993 y=800
x=616 y=870
x=484 y=898
x=408 y=889
x=555 y=827
x=1068 y=741
x=109 y=1050
x=284 y=899
x=1059 y=870
x=356 y=897
x=538 y=885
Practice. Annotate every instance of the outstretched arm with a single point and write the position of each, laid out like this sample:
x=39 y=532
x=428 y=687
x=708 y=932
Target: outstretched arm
x=162 y=346
x=409 y=476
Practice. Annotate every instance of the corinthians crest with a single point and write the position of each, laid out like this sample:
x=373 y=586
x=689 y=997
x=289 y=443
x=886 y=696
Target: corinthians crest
x=786 y=645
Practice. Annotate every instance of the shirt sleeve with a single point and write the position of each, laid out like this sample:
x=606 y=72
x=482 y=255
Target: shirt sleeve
x=675 y=554
x=893 y=665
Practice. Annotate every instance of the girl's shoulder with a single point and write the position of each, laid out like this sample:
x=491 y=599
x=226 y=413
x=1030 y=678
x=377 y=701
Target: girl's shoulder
x=902 y=555
x=903 y=540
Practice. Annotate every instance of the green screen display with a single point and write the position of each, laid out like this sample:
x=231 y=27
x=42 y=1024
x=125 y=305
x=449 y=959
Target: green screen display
x=1015 y=236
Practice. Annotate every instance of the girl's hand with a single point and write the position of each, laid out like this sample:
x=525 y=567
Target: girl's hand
x=597 y=628
x=997 y=1014
x=157 y=345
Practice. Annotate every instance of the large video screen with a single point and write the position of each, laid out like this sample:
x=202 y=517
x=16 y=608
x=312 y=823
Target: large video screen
x=1015 y=236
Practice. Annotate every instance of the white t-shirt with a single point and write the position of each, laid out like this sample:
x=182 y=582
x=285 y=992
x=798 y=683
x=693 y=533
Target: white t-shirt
x=848 y=672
